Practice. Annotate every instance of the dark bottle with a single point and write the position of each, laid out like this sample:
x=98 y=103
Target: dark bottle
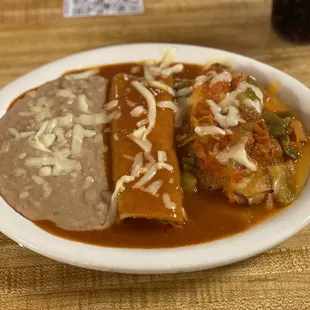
x=291 y=19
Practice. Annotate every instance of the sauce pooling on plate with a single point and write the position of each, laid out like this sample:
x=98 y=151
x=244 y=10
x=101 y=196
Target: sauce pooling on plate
x=161 y=154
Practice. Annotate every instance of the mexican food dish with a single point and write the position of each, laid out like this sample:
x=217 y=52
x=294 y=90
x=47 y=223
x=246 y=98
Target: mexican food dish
x=151 y=154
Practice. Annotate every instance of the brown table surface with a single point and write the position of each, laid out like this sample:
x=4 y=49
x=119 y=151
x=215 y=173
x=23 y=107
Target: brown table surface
x=33 y=32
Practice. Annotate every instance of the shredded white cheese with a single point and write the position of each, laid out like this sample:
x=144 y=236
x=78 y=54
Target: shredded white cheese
x=224 y=76
x=45 y=171
x=147 y=176
x=237 y=153
x=167 y=58
x=96 y=118
x=225 y=121
x=153 y=188
x=162 y=86
x=128 y=157
x=77 y=140
x=83 y=105
x=111 y=105
x=137 y=111
x=65 y=93
x=130 y=103
x=231 y=98
x=137 y=165
x=168 y=105
x=161 y=156
x=151 y=103
x=119 y=187
x=168 y=203
x=209 y=130
x=142 y=122
x=81 y=75
x=172 y=70
x=138 y=137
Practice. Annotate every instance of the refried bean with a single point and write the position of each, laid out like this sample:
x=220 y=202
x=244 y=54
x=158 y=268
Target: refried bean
x=74 y=196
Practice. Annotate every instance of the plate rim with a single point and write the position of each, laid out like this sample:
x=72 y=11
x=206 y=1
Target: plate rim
x=169 y=260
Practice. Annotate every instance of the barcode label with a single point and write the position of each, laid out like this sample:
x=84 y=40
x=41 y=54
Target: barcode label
x=80 y=8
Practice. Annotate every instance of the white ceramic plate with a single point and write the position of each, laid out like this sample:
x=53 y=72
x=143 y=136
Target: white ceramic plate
x=189 y=258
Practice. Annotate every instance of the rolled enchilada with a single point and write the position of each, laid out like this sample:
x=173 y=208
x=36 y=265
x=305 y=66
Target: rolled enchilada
x=145 y=170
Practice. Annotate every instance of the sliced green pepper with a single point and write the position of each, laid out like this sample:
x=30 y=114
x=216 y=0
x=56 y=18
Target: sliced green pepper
x=276 y=125
x=288 y=148
x=189 y=182
x=283 y=182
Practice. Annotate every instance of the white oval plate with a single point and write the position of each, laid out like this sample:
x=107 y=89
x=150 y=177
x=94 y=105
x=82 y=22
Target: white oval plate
x=189 y=258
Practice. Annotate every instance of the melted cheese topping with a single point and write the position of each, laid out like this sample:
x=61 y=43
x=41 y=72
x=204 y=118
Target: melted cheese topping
x=119 y=187
x=172 y=70
x=111 y=105
x=225 y=121
x=82 y=75
x=167 y=58
x=137 y=111
x=183 y=92
x=231 y=98
x=168 y=105
x=151 y=103
x=138 y=137
x=168 y=203
x=83 y=104
x=153 y=188
x=237 y=153
x=209 y=130
x=137 y=165
x=162 y=86
x=221 y=77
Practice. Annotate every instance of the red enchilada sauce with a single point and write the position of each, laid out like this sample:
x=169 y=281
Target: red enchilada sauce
x=210 y=215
